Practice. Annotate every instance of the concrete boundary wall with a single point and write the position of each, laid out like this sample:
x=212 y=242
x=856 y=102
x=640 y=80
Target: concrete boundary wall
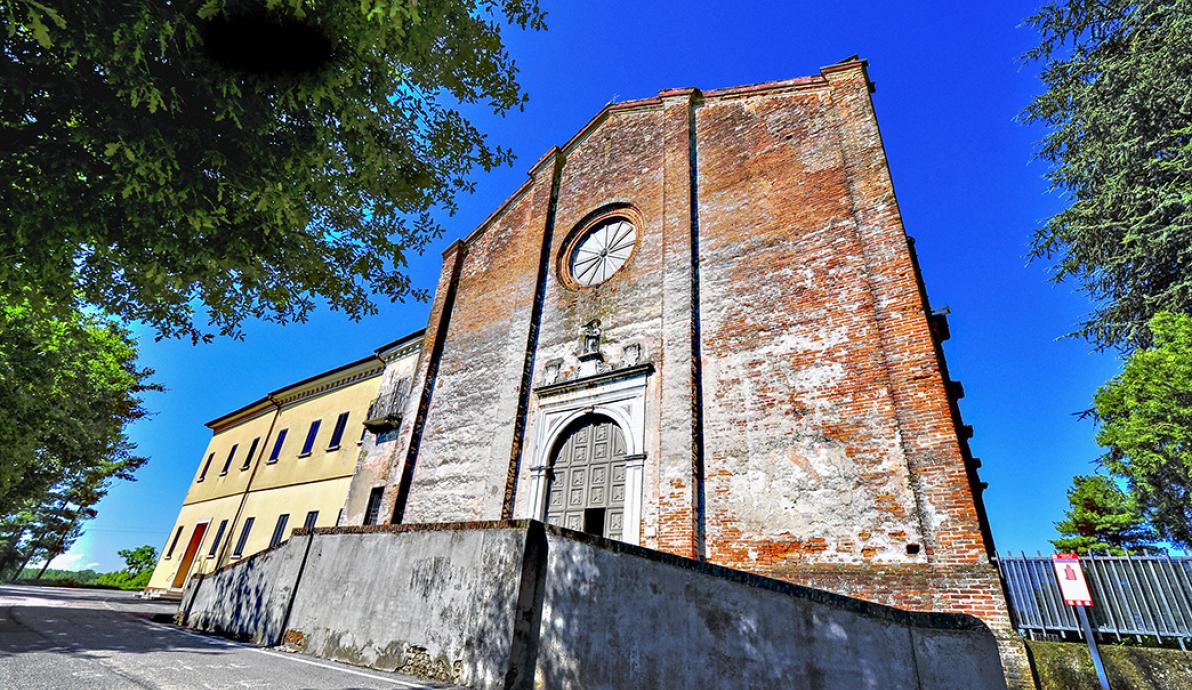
x=251 y=599
x=522 y=604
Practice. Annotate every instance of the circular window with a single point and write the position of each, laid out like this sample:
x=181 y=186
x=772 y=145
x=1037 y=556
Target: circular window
x=601 y=251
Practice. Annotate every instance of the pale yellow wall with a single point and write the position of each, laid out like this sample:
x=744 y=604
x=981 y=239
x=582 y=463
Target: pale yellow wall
x=322 y=463
x=266 y=505
x=293 y=484
x=191 y=515
x=215 y=484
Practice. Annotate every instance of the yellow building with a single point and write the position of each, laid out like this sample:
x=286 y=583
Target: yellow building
x=282 y=462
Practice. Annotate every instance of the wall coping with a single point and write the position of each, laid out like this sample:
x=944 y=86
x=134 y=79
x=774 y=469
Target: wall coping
x=915 y=619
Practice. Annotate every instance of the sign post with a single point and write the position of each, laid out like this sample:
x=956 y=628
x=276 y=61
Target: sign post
x=1075 y=591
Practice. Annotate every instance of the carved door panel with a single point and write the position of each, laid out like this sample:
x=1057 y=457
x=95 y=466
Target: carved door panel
x=587 y=479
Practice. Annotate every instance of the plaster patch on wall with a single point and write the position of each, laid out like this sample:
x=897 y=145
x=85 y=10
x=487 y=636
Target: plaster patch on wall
x=813 y=489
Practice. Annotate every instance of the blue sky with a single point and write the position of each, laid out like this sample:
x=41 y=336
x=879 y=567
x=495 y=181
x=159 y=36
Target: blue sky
x=949 y=86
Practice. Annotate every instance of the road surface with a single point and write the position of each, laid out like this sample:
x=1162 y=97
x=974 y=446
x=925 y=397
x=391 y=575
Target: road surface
x=97 y=639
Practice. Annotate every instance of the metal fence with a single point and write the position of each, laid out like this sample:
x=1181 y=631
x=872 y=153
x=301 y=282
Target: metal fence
x=1139 y=595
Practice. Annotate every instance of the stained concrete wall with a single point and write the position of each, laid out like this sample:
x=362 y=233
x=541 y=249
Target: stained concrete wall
x=436 y=604
x=521 y=604
x=248 y=600
x=615 y=616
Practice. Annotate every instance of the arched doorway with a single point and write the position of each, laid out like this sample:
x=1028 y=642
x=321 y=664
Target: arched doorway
x=586 y=487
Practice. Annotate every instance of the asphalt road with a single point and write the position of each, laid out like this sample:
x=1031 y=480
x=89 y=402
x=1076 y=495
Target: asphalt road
x=95 y=639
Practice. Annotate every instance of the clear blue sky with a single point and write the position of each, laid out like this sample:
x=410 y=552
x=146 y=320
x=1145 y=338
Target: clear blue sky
x=948 y=88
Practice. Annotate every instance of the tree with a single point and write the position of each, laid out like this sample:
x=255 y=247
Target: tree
x=69 y=386
x=1101 y=517
x=239 y=157
x=1118 y=105
x=1146 y=426
x=138 y=568
x=139 y=560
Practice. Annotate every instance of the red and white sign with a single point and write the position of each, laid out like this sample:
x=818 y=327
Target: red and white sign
x=1071 y=578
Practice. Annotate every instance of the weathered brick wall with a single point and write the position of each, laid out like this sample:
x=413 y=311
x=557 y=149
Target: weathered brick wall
x=797 y=422
x=463 y=462
x=830 y=439
x=615 y=161
x=383 y=464
x=804 y=450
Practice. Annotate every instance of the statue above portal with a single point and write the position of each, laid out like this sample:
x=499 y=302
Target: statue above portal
x=589 y=347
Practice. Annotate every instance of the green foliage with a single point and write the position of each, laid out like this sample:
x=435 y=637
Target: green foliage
x=1118 y=104
x=69 y=386
x=122 y=579
x=140 y=560
x=1067 y=665
x=1101 y=517
x=57 y=577
x=1146 y=426
x=152 y=180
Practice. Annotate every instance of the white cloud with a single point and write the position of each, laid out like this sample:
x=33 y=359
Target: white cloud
x=71 y=560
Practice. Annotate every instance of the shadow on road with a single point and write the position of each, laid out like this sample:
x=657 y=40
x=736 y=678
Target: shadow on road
x=82 y=621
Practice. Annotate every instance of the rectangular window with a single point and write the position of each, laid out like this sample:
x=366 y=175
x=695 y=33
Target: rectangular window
x=373 y=511
x=252 y=450
x=363 y=433
x=310 y=438
x=311 y=518
x=281 y=439
x=206 y=466
x=218 y=537
x=337 y=434
x=228 y=462
x=243 y=537
x=279 y=529
x=174 y=542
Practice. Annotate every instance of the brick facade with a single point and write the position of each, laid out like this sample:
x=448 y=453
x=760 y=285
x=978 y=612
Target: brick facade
x=798 y=421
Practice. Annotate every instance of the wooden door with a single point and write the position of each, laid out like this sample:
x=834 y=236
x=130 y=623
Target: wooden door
x=587 y=478
x=192 y=548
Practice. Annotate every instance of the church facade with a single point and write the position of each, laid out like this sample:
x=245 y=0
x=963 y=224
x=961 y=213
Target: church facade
x=699 y=327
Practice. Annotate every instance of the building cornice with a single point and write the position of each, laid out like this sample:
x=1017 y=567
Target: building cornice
x=644 y=369
x=324 y=382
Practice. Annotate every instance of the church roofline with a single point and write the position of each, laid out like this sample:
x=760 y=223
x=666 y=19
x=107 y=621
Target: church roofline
x=805 y=82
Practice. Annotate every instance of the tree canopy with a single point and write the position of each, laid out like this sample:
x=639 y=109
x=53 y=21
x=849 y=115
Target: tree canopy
x=69 y=386
x=194 y=164
x=1118 y=107
x=1146 y=426
x=138 y=568
x=1101 y=517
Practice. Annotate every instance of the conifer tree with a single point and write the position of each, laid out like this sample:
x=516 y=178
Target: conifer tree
x=1101 y=517
x=1117 y=105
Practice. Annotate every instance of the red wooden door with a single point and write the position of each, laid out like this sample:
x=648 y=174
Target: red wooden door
x=192 y=547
